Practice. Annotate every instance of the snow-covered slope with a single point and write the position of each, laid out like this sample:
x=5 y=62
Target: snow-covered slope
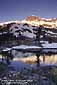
x=22 y=29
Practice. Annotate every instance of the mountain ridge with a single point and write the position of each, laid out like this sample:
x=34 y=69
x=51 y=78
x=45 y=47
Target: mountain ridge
x=36 y=21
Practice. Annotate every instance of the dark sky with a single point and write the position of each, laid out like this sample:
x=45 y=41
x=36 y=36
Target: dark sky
x=19 y=9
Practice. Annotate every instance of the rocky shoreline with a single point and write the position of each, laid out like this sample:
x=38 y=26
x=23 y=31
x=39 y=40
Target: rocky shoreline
x=42 y=75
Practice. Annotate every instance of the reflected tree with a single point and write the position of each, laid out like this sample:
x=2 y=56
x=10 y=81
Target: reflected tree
x=7 y=55
x=38 y=60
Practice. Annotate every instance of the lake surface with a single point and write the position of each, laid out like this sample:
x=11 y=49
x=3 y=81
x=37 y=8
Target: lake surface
x=29 y=59
x=25 y=66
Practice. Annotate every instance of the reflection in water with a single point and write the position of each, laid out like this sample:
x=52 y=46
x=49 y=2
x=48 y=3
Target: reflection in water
x=29 y=59
x=51 y=59
x=38 y=60
x=5 y=55
x=32 y=58
x=43 y=59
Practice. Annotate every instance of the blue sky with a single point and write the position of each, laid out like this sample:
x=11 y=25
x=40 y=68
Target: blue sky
x=19 y=9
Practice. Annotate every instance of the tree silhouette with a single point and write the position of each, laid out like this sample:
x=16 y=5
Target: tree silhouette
x=38 y=34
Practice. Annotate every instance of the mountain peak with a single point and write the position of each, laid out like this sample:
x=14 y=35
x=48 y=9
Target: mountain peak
x=33 y=18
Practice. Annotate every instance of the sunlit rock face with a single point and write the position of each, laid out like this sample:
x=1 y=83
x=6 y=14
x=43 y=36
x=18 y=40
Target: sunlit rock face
x=49 y=23
x=33 y=18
